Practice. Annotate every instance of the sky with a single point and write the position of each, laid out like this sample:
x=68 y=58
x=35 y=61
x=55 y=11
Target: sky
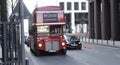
x=31 y=4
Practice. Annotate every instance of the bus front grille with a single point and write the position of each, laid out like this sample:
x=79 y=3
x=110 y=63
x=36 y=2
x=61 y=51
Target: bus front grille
x=52 y=46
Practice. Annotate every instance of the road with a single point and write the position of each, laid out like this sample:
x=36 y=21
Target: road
x=96 y=55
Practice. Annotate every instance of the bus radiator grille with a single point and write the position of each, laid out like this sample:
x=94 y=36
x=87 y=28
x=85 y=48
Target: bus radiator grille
x=52 y=46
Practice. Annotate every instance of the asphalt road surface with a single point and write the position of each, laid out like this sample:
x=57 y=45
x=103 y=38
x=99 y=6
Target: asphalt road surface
x=96 y=55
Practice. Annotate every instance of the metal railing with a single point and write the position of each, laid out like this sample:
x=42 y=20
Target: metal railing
x=13 y=52
x=86 y=40
x=11 y=44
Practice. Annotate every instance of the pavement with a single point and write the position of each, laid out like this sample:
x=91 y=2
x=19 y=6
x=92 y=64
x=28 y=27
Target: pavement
x=84 y=38
x=101 y=42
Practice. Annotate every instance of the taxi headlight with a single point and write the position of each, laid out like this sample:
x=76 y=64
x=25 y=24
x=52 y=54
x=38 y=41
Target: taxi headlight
x=63 y=43
x=67 y=42
x=79 y=42
x=40 y=45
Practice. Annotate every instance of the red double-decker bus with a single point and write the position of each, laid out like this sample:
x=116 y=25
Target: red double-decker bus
x=47 y=32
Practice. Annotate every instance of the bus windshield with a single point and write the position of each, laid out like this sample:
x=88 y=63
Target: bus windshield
x=46 y=30
x=43 y=30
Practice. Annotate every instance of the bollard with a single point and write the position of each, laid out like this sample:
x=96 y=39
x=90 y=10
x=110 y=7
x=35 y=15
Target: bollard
x=113 y=43
x=102 y=41
x=85 y=40
x=97 y=41
x=93 y=41
x=89 y=43
x=107 y=41
x=26 y=61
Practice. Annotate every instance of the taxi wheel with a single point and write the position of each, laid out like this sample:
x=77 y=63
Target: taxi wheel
x=79 y=47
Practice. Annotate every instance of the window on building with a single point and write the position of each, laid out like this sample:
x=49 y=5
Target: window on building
x=77 y=18
x=81 y=15
x=62 y=5
x=76 y=5
x=86 y=15
x=68 y=5
x=83 y=6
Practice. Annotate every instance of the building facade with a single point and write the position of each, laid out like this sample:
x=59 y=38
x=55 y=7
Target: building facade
x=76 y=12
x=104 y=19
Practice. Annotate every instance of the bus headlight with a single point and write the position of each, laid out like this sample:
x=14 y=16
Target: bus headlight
x=40 y=45
x=63 y=43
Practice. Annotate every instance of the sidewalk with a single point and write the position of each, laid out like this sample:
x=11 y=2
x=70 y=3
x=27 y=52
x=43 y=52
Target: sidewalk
x=84 y=37
x=101 y=42
x=0 y=49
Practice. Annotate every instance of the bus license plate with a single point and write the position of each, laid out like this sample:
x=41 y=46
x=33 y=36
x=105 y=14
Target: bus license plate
x=52 y=50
